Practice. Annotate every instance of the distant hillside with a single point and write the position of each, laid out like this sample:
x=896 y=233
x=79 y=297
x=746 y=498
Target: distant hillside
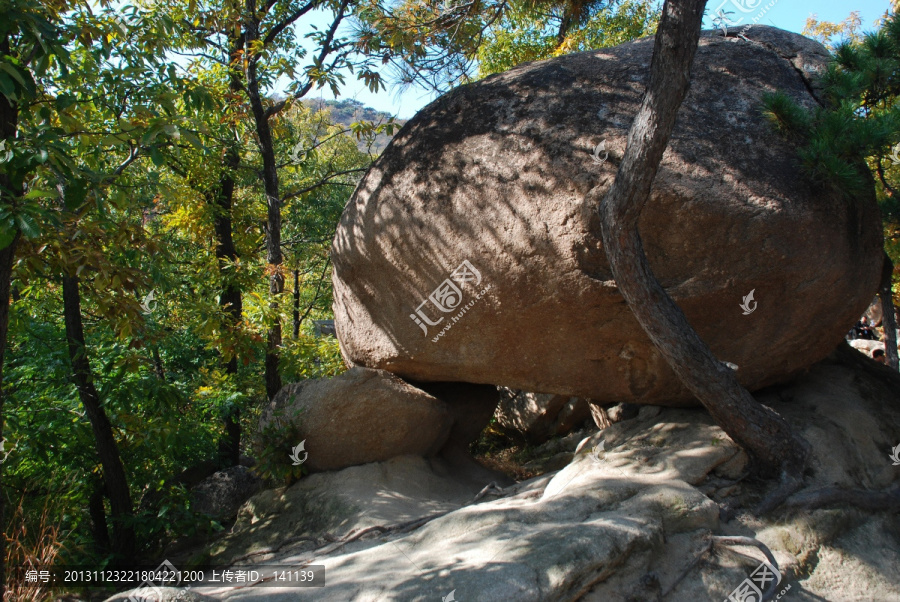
x=349 y=111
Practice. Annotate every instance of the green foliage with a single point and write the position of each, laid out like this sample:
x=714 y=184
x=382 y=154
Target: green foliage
x=111 y=176
x=273 y=445
x=308 y=357
x=528 y=35
x=789 y=117
x=172 y=517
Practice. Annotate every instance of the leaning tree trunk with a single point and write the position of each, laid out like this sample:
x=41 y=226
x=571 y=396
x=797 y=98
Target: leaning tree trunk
x=113 y=471
x=756 y=428
x=97 y=512
x=889 y=318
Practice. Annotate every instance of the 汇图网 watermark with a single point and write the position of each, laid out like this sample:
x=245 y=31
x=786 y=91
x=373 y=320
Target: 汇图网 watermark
x=448 y=297
x=596 y=451
x=753 y=587
x=725 y=17
x=746 y=305
x=895 y=154
x=600 y=148
x=149 y=303
x=165 y=575
x=295 y=453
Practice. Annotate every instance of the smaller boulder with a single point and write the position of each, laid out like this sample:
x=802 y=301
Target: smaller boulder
x=360 y=416
x=222 y=494
x=540 y=416
x=605 y=415
x=866 y=346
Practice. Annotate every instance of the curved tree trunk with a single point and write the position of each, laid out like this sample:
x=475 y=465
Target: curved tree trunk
x=889 y=318
x=114 y=478
x=756 y=428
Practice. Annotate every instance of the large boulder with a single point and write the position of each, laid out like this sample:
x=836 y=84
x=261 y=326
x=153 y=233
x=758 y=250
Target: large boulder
x=467 y=252
x=360 y=416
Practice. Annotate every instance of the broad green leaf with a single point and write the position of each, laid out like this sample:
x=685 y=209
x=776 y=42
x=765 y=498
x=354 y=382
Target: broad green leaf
x=27 y=225
x=8 y=88
x=36 y=193
x=13 y=72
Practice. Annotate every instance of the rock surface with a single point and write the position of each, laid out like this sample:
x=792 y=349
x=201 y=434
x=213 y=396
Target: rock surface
x=223 y=494
x=539 y=416
x=474 y=219
x=866 y=346
x=361 y=416
x=624 y=521
x=338 y=503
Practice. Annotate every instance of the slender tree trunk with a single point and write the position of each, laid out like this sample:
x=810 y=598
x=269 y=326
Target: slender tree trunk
x=888 y=317
x=273 y=203
x=296 y=303
x=7 y=255
x=756 y=428
x=10 y=189
x=113 y=471
x=230 y=298
x=564 y=26
x=98 y=519
x=157 y=363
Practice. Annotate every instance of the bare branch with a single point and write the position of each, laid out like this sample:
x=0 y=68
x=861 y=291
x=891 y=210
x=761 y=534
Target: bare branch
x=322 y=182
x=282 y=25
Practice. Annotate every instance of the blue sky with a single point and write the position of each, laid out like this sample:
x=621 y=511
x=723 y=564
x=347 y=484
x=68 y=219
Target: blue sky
x=786 y=14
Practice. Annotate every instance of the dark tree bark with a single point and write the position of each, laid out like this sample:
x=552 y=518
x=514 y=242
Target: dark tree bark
x=274 y=256
x=889 y=318
x=564 y=26
x=230 y=299
x=157 y=363
x=296 y=303
x=253 y=42
x=97 y=512
x=114 y=478
x=756 y=428
x=6 y=264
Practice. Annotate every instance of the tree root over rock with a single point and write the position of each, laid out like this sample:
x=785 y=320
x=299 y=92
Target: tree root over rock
x=864 y=499
x=791 y=481
x=730 y=540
